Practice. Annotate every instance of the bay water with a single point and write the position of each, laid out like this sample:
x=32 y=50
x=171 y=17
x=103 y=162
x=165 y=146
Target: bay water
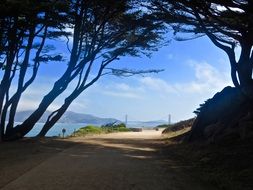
x=56 y=130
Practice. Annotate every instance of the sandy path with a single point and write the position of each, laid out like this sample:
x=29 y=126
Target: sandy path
x=123 y=161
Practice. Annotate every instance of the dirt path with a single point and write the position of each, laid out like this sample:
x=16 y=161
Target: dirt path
x=123 y=161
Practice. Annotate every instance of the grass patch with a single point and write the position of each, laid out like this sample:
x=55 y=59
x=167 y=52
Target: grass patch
x=109 y=128
x=179 y=126
x=90 y=129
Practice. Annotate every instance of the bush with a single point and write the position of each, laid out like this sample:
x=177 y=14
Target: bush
x=112 y=127
x=108 y=128
x=90 y=129
x=122 y=129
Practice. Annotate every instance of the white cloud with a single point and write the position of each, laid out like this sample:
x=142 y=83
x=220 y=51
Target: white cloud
x=121 y=90
x=222 y=8
x=80 y=104
x=123 y=87
x=157 y=84
x=121 y=94
x=32 y=104
x=70 y=38
x=207 y=78
x=147 y=97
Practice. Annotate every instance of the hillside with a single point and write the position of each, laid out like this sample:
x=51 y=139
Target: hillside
x=68 y=117
x=227 y=116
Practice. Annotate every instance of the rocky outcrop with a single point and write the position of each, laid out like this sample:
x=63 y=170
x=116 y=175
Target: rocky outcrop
x=228 y=115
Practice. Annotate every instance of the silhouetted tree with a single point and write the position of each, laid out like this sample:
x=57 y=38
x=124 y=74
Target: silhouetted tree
x=103 y=31
x=24 y=28
x=228 y=24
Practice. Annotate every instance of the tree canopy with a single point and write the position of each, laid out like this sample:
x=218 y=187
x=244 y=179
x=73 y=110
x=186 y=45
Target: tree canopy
x=25 y=26
x=228 y=24
x=101 y=32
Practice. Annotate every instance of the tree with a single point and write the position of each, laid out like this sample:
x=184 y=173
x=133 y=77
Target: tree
x=24 y=28
x=103 y=31
x=228 y=24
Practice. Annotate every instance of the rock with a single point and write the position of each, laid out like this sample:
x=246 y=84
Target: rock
x=245 y=129
x=228 y=114
x=209 y=130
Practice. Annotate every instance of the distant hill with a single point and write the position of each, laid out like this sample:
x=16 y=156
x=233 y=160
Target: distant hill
x=73 y=117
x=68 y=117
x=145 y=123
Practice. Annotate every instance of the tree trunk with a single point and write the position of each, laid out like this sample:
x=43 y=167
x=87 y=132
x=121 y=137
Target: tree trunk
x=5 y=83
x=4 y=88
x=55 y=117
x=22 y=75
x=51 y=121
x=21 y=130
x=245 y=70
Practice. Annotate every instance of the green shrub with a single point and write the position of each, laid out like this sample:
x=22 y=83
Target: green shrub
x=112 y=127
x=123 y=129
x=108 y=128
x=90 y=129
x=121 y=125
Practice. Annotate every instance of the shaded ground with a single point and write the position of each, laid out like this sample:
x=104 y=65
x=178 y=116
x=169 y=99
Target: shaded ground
x=17 y=158
x=226 y=165
x=115 y=161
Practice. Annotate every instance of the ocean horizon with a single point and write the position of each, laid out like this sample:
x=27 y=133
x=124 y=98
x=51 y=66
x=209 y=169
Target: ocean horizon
x=56 y=130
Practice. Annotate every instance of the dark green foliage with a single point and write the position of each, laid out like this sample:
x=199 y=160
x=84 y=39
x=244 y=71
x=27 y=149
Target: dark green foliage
x=227 y=24
x=219 y=100
x=50 y=58
x=24 y=29
x=113 y=127
x=108 y=128
x=228 y=115
x=179 y=125
x=102 y=32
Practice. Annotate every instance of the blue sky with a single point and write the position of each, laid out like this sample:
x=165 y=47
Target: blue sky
x=194 y=71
